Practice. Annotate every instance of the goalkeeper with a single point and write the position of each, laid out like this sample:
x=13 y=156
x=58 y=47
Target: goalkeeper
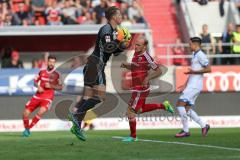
x=111 y=40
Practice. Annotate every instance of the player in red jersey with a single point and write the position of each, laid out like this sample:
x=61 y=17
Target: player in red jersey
x=140 y=68
x=47 y=81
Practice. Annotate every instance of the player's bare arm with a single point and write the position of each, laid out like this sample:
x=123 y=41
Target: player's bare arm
x=126 y=65
x=152 y=74
x=54 y=86
x=207 y=69
x=129 y=65
x=39 y=88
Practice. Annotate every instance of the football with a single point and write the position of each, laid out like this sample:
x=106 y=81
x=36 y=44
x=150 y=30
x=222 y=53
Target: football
x=123 y=36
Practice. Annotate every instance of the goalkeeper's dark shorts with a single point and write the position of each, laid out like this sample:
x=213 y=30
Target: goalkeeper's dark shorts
x=93 y=75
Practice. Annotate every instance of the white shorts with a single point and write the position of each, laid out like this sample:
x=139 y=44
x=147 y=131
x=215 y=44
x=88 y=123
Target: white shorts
x=189 y=96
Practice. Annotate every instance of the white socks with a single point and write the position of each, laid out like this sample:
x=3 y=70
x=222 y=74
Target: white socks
x=184 y=119
x=192 y=114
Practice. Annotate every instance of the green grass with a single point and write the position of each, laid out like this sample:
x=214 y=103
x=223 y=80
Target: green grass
x=101 y=145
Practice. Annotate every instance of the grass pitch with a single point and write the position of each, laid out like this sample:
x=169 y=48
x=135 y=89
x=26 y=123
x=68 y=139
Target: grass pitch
x=155 y=144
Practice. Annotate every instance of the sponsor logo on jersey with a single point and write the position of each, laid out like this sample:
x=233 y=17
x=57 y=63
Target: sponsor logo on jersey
x=107 y=38
x=139 y=59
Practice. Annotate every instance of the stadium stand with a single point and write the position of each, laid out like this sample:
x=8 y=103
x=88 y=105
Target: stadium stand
x=60 y=12
x=168 y=22
x=162 y=19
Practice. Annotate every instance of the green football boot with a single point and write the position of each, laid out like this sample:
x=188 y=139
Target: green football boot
x=168 y=107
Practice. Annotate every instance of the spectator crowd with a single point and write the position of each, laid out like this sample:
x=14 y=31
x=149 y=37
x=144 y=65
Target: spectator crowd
x=227 y=44
x=221 y=4
x=61 y=12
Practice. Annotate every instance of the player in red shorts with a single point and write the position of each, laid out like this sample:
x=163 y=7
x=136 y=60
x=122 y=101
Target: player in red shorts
x=46 y=82
x=140 y=67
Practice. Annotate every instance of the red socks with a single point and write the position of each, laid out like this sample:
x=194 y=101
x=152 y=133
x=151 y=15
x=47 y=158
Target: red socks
x=25 y=122
x=34 y=121
x=151 y=107
x=133 y=124
x=145 y=108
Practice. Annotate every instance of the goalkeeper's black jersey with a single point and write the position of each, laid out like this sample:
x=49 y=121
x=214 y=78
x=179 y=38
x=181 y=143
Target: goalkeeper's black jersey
x=106 y=44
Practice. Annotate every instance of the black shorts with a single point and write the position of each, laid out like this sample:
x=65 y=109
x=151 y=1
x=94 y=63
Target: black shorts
x=93 y=75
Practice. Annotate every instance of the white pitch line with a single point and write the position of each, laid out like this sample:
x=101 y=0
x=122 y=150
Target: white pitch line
x=184 y=143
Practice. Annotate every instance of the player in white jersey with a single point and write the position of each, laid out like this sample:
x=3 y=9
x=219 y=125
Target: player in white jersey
x=192 y=88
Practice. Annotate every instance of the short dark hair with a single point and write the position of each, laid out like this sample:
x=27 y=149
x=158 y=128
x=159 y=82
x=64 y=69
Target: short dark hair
x=52 y=57
x=196 y=39
x=110 y=12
